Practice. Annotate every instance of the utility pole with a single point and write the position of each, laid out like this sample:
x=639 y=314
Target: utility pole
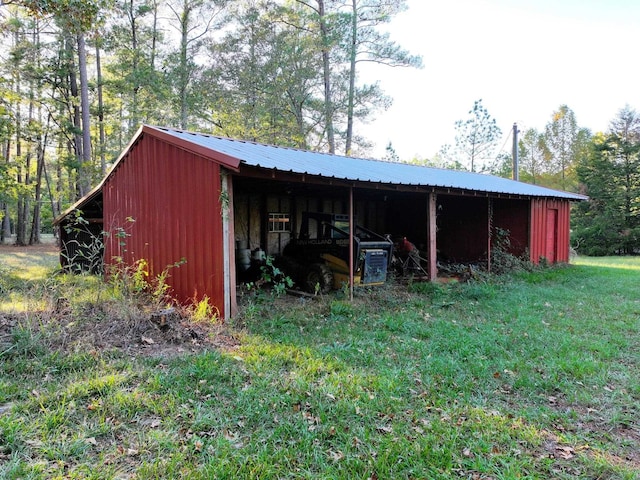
x=515 y=175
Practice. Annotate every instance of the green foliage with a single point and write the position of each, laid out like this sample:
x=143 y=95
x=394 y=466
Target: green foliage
x=134 y=281
x=275 y=277
x=534 y=156
x=242 y=69
x=567 y=144
x=9 y=187
x=477 y=136
x=84 y=251
x=75 y=15
x=609 y=223
x=502 y=259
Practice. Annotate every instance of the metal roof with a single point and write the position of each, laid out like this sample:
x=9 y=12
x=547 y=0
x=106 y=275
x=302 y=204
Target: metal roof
x=358 y=169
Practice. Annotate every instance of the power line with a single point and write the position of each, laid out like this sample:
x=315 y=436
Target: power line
x=505 y=142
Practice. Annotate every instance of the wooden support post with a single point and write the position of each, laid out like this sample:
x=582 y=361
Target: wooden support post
x=432 y=269
x=351 y=252
x=489 y=231
x=228 y=247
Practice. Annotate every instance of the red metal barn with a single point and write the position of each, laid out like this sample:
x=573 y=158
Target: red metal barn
x=197 y=205
x=163 y=203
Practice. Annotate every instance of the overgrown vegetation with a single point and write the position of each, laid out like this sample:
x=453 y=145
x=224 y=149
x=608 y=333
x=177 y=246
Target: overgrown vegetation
x=531 y=375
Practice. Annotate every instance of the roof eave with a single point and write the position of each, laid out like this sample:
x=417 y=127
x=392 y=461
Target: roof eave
x=227 y=161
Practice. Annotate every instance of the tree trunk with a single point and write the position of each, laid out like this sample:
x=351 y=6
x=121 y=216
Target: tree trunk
x=352 y=76
x=6 y=224
x=41 y=142
x=20 y=218
x=35 y=224
x=154 y=35
x=5 y=234
x=135 y=66
x=326 y=71
x=59 y=186
x=76 y=145
x=85 y=173
x=184 y=74
x=101 y=146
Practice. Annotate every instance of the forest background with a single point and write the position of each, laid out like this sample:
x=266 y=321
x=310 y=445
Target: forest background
x=79 y=77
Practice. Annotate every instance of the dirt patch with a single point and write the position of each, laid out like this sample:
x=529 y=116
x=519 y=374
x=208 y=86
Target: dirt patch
x=95 y=329
x=35 y=249
x=127 y=325
x=592 y=424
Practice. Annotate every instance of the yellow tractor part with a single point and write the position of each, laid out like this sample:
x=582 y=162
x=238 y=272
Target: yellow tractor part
x=340 y=270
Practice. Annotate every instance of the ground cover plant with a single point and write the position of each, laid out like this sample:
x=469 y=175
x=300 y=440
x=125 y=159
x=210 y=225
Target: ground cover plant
x=531 y=375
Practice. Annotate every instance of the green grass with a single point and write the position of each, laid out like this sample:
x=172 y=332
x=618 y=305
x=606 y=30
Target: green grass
x=20 y=271
x=535 y=375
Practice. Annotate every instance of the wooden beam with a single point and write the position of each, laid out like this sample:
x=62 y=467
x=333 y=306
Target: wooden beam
x=228 y=247
x=432 y=268
x=352 y=229
x=489 y=231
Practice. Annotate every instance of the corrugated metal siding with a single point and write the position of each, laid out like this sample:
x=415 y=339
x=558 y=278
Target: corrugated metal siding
x=174 y=198
x=539 y=229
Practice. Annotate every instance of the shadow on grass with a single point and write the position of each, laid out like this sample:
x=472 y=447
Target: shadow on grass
x=513 y=379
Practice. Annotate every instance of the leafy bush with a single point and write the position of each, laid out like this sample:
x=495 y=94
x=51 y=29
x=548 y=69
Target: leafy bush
x=502 y=260
x=273 y=276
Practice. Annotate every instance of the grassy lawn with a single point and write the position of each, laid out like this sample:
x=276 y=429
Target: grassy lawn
x=535 y=375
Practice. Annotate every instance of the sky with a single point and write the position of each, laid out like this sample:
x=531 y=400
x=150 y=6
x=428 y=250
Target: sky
x=523 y=58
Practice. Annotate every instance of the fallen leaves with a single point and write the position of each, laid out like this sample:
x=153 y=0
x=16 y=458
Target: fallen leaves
x=384 y=429
x=6 y=407
x=336 y=456
x=565 y=452
x=129 y=452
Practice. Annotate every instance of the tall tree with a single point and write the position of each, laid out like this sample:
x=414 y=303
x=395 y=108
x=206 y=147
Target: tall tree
x=534 y=156
x=8 y=182
x=477 y=136
x=135 y=90
x=100 y=109
x=609 y=222
x=76 y=18
x=566 y=142
x=193 y=20
x=367 y=44
x=127 y=42
x=264 y=81
x=328 y=39
x=284 y=72
x=84 y=178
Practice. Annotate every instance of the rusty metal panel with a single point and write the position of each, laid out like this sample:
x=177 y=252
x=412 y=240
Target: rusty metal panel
x=166 y=202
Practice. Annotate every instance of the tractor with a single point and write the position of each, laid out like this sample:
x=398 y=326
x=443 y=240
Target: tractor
x=318 y=259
